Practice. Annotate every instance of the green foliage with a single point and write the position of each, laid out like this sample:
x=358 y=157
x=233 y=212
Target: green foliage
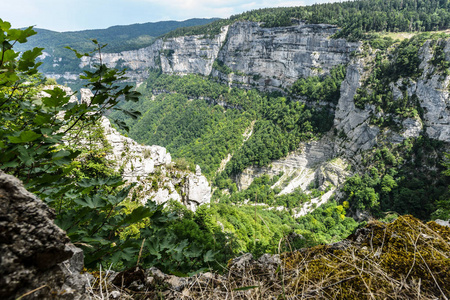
x=40 y=144
x=443 y=203
x=326 y=224
x=183 y=118
x=403 y=179
x=317 y=88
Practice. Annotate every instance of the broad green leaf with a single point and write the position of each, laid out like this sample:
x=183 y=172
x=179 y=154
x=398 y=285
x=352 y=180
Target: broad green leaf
x=137 y=215
x=24 y=137
x=209 y=256
x=92 y=202
x=57 y=98
x=10 y=164
x=4 y=26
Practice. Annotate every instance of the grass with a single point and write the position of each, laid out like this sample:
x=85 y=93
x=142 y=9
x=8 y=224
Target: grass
x=407 y=35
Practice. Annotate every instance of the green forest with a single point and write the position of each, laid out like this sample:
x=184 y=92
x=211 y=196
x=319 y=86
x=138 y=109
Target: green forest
x=355 y=18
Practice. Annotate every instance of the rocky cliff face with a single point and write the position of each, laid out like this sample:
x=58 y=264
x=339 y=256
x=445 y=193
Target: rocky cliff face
x=191 y=54
x=354 y=132
x=430 y=90
x=245 y=54
x=276 y=57
x=249 y=55
x=151 y=167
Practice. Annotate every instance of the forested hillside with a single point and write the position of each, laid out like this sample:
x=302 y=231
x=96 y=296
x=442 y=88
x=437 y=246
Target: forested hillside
x=354 y=17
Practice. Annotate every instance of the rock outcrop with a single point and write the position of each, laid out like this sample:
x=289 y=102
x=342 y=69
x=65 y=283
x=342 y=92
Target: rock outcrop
x=151 y=167
x=36 y=257
x=136 y=160
x=277 y=57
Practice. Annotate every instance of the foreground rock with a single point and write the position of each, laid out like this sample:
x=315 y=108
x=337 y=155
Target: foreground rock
x=36 y=257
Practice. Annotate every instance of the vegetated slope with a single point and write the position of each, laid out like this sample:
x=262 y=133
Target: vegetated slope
x=354 y=17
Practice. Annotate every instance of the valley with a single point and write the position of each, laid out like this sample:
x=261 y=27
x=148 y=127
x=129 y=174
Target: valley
x=280 y=139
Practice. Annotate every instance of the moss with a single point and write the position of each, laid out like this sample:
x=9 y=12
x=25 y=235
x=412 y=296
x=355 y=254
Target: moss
x=402 y=259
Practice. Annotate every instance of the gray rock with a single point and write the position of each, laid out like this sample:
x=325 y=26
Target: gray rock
x=443 y=223
x=33 y=249
x=280 y=55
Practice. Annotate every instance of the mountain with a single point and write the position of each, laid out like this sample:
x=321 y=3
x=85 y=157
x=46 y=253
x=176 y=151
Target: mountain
x=291 y=117
x=308 y=122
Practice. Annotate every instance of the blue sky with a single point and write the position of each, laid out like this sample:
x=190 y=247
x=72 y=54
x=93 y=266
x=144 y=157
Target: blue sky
x=65 y=15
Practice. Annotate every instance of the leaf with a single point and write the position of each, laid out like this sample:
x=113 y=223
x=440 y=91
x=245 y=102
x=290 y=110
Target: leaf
x=10 y=164
x=137 y=215
x=134 y=114
x=122 y=125
x=128 y=254
x=152 y=248
x=57 y=98
x=24 y=137
x=92 y=202
x=209 y=256
x=132 y=96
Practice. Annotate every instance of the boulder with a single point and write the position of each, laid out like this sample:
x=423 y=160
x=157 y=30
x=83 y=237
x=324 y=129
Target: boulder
x=36 y=256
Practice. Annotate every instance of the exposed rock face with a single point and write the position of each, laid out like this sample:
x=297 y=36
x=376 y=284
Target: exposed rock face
x=314 y=164
x=139 y=162
x=265 y=57
x=34 y=252
x=137 y=61
x=196 y=189
x=311 y=163
x=432 y=91
x=350 y=120
x=191 y=54
x=276 y=57
x=432 y=95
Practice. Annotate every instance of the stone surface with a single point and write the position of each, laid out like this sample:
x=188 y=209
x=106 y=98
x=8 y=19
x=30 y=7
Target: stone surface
x=33 y=250
x=264 y=57
x=136 y=160
x=279 y=56
x=140 y=161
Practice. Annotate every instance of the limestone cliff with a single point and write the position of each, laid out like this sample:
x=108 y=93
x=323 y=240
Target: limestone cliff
x=354 y=131
x=247 y=54
x=276 y=57
x=151 y=167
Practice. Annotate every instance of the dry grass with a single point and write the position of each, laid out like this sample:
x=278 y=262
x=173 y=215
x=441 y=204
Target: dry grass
x=407 y=35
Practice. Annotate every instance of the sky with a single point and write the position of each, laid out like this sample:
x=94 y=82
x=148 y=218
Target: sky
x=72 y=15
